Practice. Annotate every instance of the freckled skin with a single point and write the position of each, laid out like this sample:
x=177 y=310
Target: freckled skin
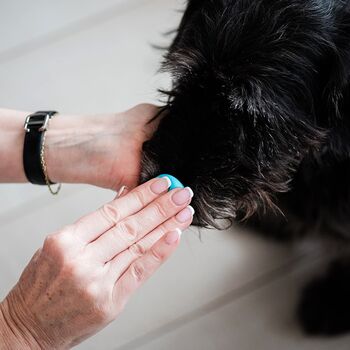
x=82 y=277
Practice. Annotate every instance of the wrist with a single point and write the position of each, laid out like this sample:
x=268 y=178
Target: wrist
x=101 y=150
x=76 y=149
x=63 y=149
x=13 y=334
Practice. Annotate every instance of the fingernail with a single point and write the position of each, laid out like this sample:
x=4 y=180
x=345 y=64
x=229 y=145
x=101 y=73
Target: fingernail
x=183 y=196
x=185 y=214
x=160 y=185
x=173 y=236
x=175 y=183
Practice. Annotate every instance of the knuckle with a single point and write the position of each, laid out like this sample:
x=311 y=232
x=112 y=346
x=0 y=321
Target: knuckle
x=67 y=230
x=48 y=242
x=137 y=250
x=109 y=213
x=160 y=210
x=173 y=224
x=139 y=197
x=157 y=256
x=116 y=233
x=128 y=229
x=162 y=230
x=138 y=271
x=54 y=244
x=79 y=224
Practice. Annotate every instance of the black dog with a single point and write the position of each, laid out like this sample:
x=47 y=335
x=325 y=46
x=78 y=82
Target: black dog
x=258 y=124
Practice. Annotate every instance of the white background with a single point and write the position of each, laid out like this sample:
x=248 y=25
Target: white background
x=227 y=290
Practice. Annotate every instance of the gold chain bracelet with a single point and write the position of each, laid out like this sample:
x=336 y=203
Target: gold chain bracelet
x=44 y=166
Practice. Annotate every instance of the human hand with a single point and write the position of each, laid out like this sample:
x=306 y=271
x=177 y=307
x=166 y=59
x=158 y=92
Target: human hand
x=82 y=277
x=102 y=150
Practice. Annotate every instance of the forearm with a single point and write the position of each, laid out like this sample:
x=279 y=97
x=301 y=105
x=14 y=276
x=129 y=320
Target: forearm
x=71 y=148
x=74 y=146
x=102 y=150
x=66 y=141
x=87 y=149
x=11 y=145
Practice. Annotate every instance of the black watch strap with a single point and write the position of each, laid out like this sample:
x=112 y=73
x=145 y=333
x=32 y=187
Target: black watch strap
x=35 y=125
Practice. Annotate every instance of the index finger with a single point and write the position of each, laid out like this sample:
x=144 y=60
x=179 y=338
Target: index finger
x=91 y=226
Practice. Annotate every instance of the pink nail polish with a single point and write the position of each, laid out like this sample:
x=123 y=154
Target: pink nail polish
x=161 y=185
x=183 y=196
x=173 y=237
x=185 y=214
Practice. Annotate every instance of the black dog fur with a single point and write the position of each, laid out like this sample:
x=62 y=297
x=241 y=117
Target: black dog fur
x=258 y=124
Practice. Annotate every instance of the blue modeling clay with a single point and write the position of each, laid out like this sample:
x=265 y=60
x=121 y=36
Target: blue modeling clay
x=175 y=183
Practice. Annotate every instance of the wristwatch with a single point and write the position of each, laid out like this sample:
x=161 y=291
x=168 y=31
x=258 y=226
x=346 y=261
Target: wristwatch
x=35 y=126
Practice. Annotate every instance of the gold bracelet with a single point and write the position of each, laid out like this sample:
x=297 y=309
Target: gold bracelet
x=44 y=166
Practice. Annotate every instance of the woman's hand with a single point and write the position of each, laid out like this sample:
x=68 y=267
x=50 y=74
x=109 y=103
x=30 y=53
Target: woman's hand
x=102 y=150
x=82 y=277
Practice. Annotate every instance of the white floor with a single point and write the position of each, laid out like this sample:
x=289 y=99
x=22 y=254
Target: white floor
x=227 y=290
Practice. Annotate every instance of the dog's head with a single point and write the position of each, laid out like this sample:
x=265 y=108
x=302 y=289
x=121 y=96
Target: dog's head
x=242 y=112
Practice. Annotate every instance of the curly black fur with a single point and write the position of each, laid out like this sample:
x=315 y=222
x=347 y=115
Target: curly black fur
x=258 y=118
